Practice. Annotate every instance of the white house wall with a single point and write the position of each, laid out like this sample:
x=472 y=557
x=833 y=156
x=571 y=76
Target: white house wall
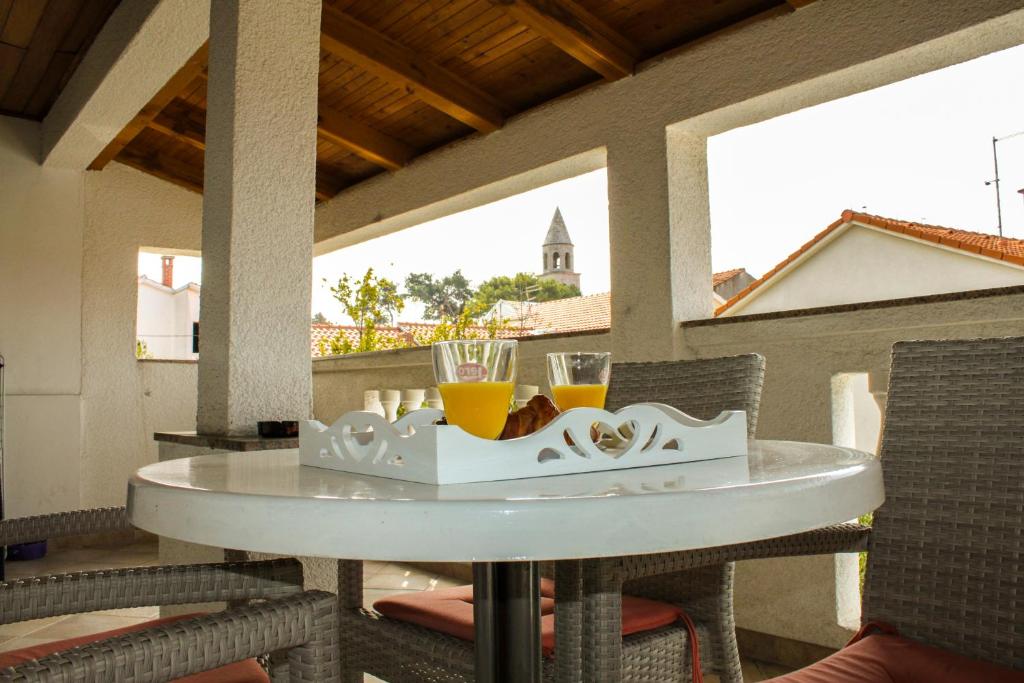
x=867 y=264
x=40 y=304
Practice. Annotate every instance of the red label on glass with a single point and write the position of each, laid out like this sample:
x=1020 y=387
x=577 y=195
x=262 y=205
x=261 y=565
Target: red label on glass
x=471 y=372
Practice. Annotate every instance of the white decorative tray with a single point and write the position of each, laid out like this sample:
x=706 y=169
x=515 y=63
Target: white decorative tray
x=415 y=449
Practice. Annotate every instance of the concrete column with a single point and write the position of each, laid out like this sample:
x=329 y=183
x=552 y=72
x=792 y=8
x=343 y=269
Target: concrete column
x=254 y=360
x=660 y=240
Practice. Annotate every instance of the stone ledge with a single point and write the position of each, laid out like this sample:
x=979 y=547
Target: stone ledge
x=861 y=306
x=226 y=443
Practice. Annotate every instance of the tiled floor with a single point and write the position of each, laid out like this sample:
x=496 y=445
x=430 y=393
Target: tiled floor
x=380 y=578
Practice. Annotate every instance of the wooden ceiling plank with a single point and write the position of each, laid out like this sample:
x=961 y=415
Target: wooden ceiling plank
x=354 y=42
x=797 y=4
x=184 y=76
x=182 y=130
x=577 y=32
x=10 y=60
x=186 y=124
x=47 y=37
x=22 y=20
x=164 y=167
x=359 y=138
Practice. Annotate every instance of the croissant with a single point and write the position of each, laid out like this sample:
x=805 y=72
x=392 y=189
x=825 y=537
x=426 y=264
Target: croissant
x=537 y=413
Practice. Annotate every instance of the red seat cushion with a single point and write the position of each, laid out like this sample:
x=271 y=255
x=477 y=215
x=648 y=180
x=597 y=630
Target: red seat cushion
x=246 y=671
x=893 y=659
x=451 y=611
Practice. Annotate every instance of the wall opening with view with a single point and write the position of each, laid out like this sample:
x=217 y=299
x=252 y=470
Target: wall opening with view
x=167 y=313
x=499 y=269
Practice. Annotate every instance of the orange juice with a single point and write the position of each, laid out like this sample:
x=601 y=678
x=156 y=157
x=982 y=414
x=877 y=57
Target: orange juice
x=569 y=396
x=480 y=408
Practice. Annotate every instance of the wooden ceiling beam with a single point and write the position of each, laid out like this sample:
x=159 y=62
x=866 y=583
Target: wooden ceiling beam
x=185 y=75
x=356 y=43
x=164 y=167
x=359 y=138
x=187 y=124
x=182 y=122
x=577 y=32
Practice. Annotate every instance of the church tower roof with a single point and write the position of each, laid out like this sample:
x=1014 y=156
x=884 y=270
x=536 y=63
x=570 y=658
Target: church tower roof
x=557 y=232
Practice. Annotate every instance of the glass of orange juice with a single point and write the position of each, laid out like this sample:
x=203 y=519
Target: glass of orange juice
x=579 y=380
x=476 y=379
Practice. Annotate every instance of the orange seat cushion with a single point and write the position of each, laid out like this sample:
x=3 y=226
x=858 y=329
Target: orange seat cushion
x=893 y=659
x=246 y=671
x=451 y=611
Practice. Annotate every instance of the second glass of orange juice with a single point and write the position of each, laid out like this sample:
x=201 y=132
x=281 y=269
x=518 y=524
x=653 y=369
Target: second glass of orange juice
x=579 y=380
x=476 y=379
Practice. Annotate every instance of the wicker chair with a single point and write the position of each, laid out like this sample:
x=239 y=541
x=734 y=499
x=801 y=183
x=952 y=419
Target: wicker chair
x=298 y=627
x=944 y=561
x=589 y=644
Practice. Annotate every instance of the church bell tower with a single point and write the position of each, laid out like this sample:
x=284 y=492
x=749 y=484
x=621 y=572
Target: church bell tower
x=559 y=259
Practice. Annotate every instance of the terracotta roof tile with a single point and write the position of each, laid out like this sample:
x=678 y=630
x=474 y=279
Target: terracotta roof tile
x=404 y=332
x=993 y=246
x=725 y=276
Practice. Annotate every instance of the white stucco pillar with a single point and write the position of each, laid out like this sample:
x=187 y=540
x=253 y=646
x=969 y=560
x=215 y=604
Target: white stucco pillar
x=254 y=360
x=660 y=240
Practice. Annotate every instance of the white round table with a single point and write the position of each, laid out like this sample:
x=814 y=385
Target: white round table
x=265 y=501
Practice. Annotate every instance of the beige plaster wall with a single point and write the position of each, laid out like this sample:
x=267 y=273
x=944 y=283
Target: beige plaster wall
x=868 y=264
x=40 y=323
x=124 y=401
x=804 y=598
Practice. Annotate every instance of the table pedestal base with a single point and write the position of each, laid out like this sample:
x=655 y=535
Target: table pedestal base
x=506 y=614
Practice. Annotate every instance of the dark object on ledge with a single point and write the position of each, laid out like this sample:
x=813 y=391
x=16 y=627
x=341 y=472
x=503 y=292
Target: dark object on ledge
x=278 y=429
x=26 y=551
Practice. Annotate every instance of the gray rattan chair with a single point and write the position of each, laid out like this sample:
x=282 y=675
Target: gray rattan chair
x=944 y=562
x=298 y=627
x=589 y=644
x=700 y=581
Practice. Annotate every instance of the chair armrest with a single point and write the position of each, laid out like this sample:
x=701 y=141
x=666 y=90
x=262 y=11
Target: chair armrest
x=59 y=524
x=305 y=624
x=46 y=596
x=838 y=538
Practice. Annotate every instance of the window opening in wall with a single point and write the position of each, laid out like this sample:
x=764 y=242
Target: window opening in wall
x=500 y=269
x=167 y=314
x=801 y=201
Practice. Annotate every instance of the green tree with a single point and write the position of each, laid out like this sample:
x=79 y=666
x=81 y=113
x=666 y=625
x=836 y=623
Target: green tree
x=521 y=287
x=445 y=297
x=369 y=301
x=320 y=319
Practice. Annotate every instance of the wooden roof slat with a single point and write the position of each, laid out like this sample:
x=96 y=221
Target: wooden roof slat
x=368 y=143
x=797 y=4
x=49 y=33
x=22 y=19
x=361 y=45
x=184 y=76
x=187 y=125
x=578 y=32
x=165 y=167
x=10 y=60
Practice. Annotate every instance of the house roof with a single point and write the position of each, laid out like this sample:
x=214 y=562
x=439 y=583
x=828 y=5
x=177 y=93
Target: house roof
x=399 y=332
x=582 y=313
x=725 y=276
x=1006 y=249
x=575 y=314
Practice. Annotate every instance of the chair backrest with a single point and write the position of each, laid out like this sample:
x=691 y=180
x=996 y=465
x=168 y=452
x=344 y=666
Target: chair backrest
x=699 y=388
x=944 y=564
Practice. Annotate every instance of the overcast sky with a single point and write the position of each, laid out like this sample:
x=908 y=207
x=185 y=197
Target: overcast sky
x=916 y=150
